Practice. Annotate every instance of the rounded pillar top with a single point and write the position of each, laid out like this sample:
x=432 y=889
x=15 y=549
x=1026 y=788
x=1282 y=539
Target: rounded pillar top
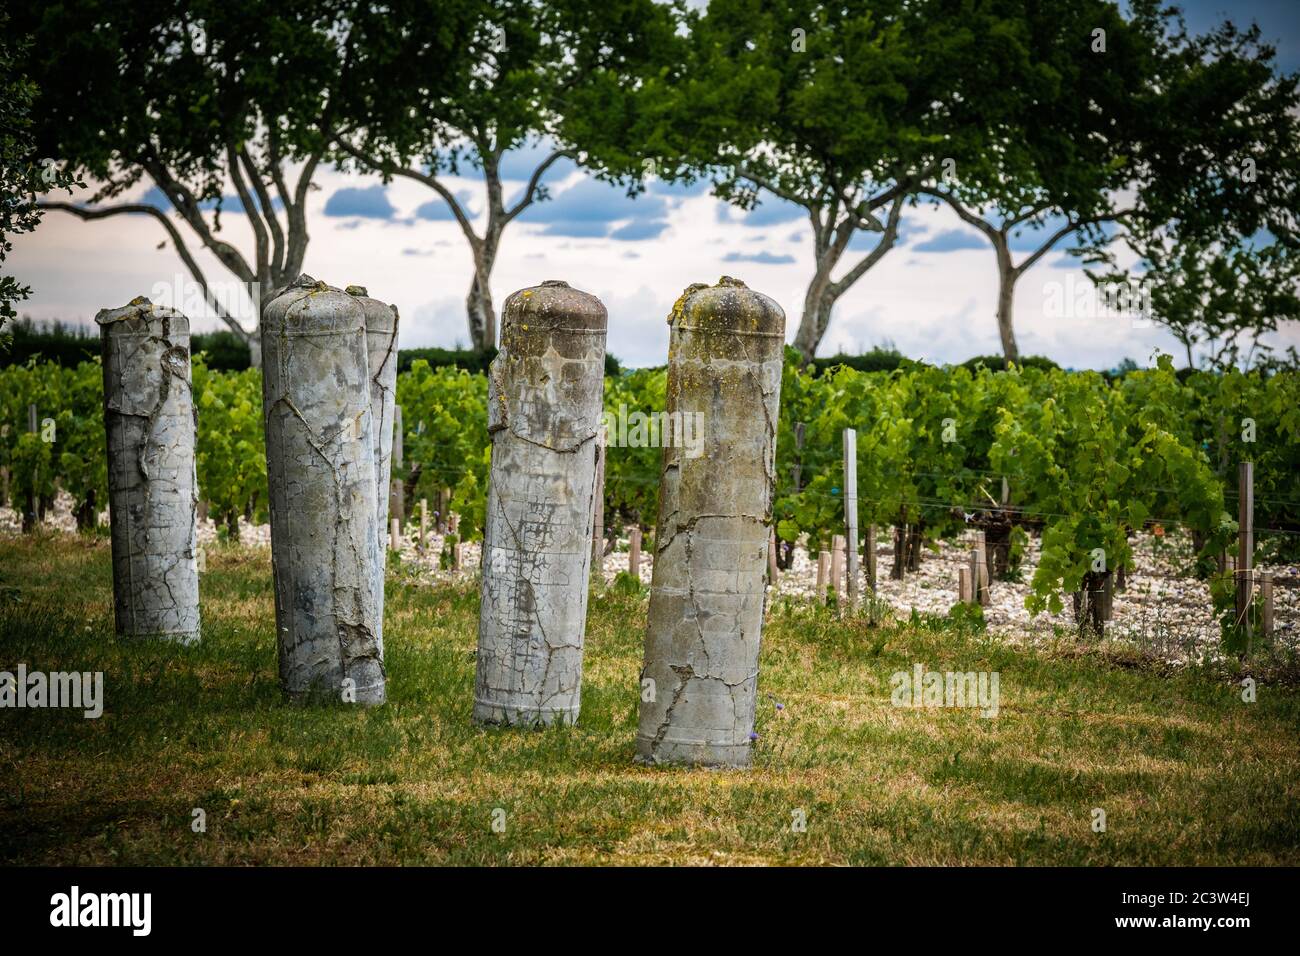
x=307 y=305
x=146 y=317
x=380 y=316
x=553 y=305
x=730 y=308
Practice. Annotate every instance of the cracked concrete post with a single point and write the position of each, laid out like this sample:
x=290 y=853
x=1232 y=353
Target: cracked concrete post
x=320 y=469
x=381 y=348
x=150 y=426
x=715 y=512
x=545 y=390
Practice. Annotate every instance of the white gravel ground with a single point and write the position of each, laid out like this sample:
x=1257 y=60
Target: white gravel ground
x=1163 y=611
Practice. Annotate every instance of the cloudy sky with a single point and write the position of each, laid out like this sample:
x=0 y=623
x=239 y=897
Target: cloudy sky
x=933 y=296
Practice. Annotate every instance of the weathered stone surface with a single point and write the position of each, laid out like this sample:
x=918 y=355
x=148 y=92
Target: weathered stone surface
x=381 y=346
x=320 y=468
x=152 y=490
x=715 y=510
x=544 y=415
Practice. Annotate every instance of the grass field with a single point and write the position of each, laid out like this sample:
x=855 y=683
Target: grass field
x=1186 y=772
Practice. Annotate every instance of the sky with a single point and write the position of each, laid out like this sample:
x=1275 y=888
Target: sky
x=933 y=297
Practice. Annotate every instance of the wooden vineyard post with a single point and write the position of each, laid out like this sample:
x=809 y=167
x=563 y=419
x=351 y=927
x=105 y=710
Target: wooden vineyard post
x=395 y=535
x=982 y=579
x=797 y=467
x=837 y=565
x=823 y=567
x=851 y=512
x=1266 y=596
x=397 y=499
x=963 y=586
x=598 y=509
x=453 y=530
x=771 y=558
x=1245 y=546
x=31 y=507
x=444 y=502
x=870 y=549
x=634 y=553
x=424 y=521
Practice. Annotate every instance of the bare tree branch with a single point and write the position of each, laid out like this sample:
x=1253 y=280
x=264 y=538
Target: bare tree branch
x=276 y=263
x=260 y=246
x=181 y=249
x=527 y=199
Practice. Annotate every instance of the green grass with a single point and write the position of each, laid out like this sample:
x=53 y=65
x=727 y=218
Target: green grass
x=1186 y=772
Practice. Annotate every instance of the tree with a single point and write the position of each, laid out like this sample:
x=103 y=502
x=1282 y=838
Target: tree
x=1129 y=122
x=1225 y=298
x=563 y=73
x=21 y=175
x=198 y=98
x=832 y=107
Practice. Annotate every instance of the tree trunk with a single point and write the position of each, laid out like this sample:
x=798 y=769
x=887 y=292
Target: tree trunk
x=699 y=694
x=544 y=415
x=482 y=315
x=1089 y=605
x=1007 y=276
x=86 y=512
x=997 y=544
x=900 y=552
x=320 y=470
x=811 y=324
x=149 y=420
x=915 y=541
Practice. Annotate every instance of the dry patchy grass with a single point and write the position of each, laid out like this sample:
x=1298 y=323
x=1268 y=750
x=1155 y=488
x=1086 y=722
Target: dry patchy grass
x=1186 y=772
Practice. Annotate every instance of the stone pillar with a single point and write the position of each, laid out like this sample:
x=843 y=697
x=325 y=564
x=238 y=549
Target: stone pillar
x=320 y=469
x=545 y=391
x=715 y=514
x=381 y=349
x=150 y=425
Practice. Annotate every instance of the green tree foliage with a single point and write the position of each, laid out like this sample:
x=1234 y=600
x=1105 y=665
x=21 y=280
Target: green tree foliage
x=836 y=108
x=202 y=99
x=1124 y=118
x=561 y=77
x=23 y=176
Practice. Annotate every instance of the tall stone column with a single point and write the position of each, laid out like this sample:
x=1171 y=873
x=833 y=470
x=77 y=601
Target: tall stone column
x=715 y=512
x=150 y=426
x=381 y=347
x=545 y=394
x=320 y=469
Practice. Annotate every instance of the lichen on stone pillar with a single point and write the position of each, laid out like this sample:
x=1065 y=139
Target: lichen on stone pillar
x=150 y=427
x=700 y=672
x=545 y=394
x=320 y=468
